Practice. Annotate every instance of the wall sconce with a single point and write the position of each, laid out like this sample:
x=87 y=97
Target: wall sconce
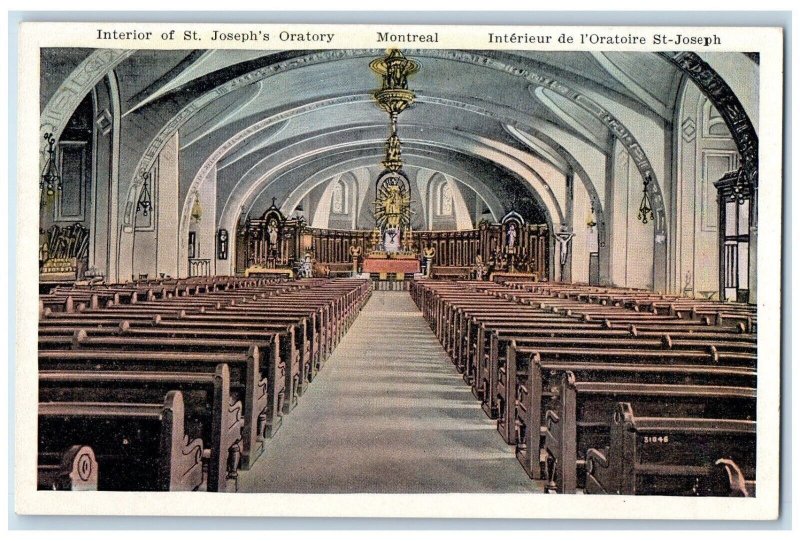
x=197 y=209
x=590 y=221
x=51 y=176
x=145 y=203
x=646 y=208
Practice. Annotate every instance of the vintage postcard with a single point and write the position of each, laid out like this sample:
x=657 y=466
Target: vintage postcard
x=399 y=271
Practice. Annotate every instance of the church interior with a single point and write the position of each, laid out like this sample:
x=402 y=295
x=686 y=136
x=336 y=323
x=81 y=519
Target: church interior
x=413 y=271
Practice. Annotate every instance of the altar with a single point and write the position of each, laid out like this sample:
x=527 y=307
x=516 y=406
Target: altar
x=383 y=263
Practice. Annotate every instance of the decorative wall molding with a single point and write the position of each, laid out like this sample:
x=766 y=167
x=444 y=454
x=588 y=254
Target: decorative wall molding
x=688 y=130
x=69 y=95
x=723 y=98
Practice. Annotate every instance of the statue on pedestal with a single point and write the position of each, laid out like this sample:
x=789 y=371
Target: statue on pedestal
x=428 y=254
x=480 y=269
x=355 y=256
x=511 y=237
x=306 y=267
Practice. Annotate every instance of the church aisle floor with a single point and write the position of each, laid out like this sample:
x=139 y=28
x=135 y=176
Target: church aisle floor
x=388 y=413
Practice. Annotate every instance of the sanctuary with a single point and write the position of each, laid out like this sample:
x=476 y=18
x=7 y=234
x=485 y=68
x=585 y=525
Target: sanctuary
x=454 y=271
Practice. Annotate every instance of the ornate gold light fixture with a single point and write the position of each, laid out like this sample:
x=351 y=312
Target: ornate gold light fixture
x=393 y=191
x=394 y=97
x=197 y=209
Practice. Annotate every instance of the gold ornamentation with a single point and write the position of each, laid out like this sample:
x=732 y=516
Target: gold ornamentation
x=394 y=96
x=393 y=198
x=393 y=205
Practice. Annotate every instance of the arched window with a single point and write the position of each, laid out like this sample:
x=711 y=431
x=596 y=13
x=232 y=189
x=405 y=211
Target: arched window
x=444 y=203
x=340 y=198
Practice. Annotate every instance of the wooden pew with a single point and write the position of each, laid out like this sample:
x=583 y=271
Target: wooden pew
x=464 y=320
x=138 y=446
x=579 y=417
x=74 y=469
x=495 y=337
x=247 y=382
x=674 y=456
x=273 y=346
x=282 y=333
x=210 y=412
x=515 y=376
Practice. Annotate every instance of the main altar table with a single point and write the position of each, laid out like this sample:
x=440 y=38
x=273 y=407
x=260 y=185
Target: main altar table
x=385 y=266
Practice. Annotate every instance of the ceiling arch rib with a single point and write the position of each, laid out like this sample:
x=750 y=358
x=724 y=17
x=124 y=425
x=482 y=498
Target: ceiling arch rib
x=322 y=108
x=568 y=113
x=322 y=215
x=228 y=115
x=230 y=150
x=293 y=192
x=630 y=83
x=583 y=73
x=208 y=62
x=540 y=148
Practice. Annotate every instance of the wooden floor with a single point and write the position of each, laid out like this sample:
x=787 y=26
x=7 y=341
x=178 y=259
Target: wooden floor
x=388 y=413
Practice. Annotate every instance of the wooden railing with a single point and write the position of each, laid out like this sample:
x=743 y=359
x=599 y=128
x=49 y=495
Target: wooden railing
x=199 y=267
x=453 y=248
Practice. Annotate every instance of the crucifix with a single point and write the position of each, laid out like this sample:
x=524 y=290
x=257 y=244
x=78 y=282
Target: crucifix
x=563 y=237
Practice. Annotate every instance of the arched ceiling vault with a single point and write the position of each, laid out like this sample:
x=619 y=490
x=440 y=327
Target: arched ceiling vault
x=325 y=148
x=320 y=168
x=522 y=74
x=223 y=101
x=259 y=137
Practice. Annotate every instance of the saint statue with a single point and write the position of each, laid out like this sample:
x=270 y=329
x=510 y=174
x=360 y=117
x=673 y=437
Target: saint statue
x=44 y=248
x=427 y=255
x=272 y=231
x=392 y=206
x=480 y=268
x=355 y=255
x=306 y=267
x=511 y=236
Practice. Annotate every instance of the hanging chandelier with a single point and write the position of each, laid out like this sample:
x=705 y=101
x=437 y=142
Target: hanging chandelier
x=197 y=209
x=51 y=176
x=394 y=97
x=393 y=193
x=646 y=207
x=145 y=202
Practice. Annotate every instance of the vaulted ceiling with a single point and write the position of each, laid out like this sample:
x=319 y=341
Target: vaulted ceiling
x=278 y=123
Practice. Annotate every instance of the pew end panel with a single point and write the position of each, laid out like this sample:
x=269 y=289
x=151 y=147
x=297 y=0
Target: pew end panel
x=75 y=469
x=674 y=456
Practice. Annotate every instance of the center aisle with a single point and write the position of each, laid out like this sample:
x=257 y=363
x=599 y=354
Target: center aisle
x=388 y=413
